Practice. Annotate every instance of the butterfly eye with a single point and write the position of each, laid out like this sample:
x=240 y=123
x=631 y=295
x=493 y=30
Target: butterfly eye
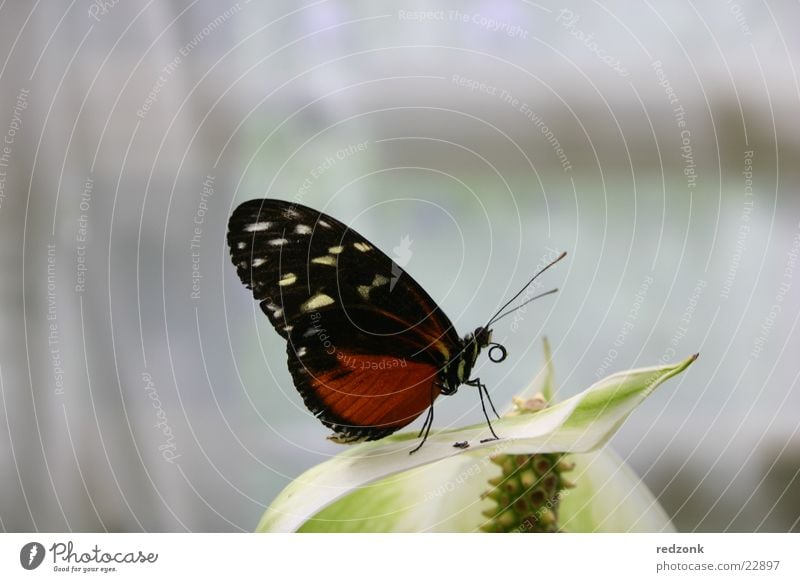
x=494 y=356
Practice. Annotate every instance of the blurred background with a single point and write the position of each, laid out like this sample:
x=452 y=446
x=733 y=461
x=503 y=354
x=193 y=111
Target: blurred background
x=141 y=387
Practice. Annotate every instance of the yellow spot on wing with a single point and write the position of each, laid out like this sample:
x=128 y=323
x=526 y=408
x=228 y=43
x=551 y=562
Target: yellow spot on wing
x=287 y=279
x=326 y=260
x=317 y=301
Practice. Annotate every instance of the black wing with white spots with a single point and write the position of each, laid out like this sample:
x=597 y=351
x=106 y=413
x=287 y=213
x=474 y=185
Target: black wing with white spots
x=298 y=260
x=341 y=304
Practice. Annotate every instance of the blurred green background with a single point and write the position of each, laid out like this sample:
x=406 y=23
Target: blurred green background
x=658 y=144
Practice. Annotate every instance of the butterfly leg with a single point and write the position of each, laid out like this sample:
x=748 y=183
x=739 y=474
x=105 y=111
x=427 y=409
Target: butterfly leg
x=428 y=421
x=481 y=389
x=481 y=386
x=426 y=428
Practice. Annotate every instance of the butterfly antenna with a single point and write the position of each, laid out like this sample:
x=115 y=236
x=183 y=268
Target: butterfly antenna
x=521 y=291
x=539 y=296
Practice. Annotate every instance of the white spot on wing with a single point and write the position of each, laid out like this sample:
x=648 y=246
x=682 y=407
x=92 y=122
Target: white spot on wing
x=241 y=245
x=364 y=290
x=317 y=301
x=379 y=280
x=363 y=247
x=335 y=250
x=258 y=262
x=302 y=352
x=323 y=223
x=302 y=229
x=277 y=312
x=276 y=242
x=257 y=226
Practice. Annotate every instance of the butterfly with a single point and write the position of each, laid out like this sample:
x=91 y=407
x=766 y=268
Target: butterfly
x=368 y=349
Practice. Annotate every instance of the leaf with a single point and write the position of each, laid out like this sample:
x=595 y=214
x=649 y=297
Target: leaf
x=548 y=380
x=609 y=497
x=579 y=424
x=438 y=497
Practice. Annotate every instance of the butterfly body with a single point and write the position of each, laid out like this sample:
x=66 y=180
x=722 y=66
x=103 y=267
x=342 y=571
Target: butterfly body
x=368 y=349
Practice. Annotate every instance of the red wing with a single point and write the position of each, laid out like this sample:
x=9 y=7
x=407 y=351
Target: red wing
x=368 y=396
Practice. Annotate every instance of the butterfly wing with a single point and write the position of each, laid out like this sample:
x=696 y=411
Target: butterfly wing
x=365 y=341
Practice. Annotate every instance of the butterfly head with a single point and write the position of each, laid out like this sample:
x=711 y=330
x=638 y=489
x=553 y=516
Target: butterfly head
x=483 y=339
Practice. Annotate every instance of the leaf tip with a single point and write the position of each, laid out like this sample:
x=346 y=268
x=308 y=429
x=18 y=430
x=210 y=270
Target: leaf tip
x=689 y=361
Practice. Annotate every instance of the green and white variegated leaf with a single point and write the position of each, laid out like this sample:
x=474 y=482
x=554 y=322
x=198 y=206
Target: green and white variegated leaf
x=382 y=478
x=446 y=497
x=439 y=497
x=609 y=497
